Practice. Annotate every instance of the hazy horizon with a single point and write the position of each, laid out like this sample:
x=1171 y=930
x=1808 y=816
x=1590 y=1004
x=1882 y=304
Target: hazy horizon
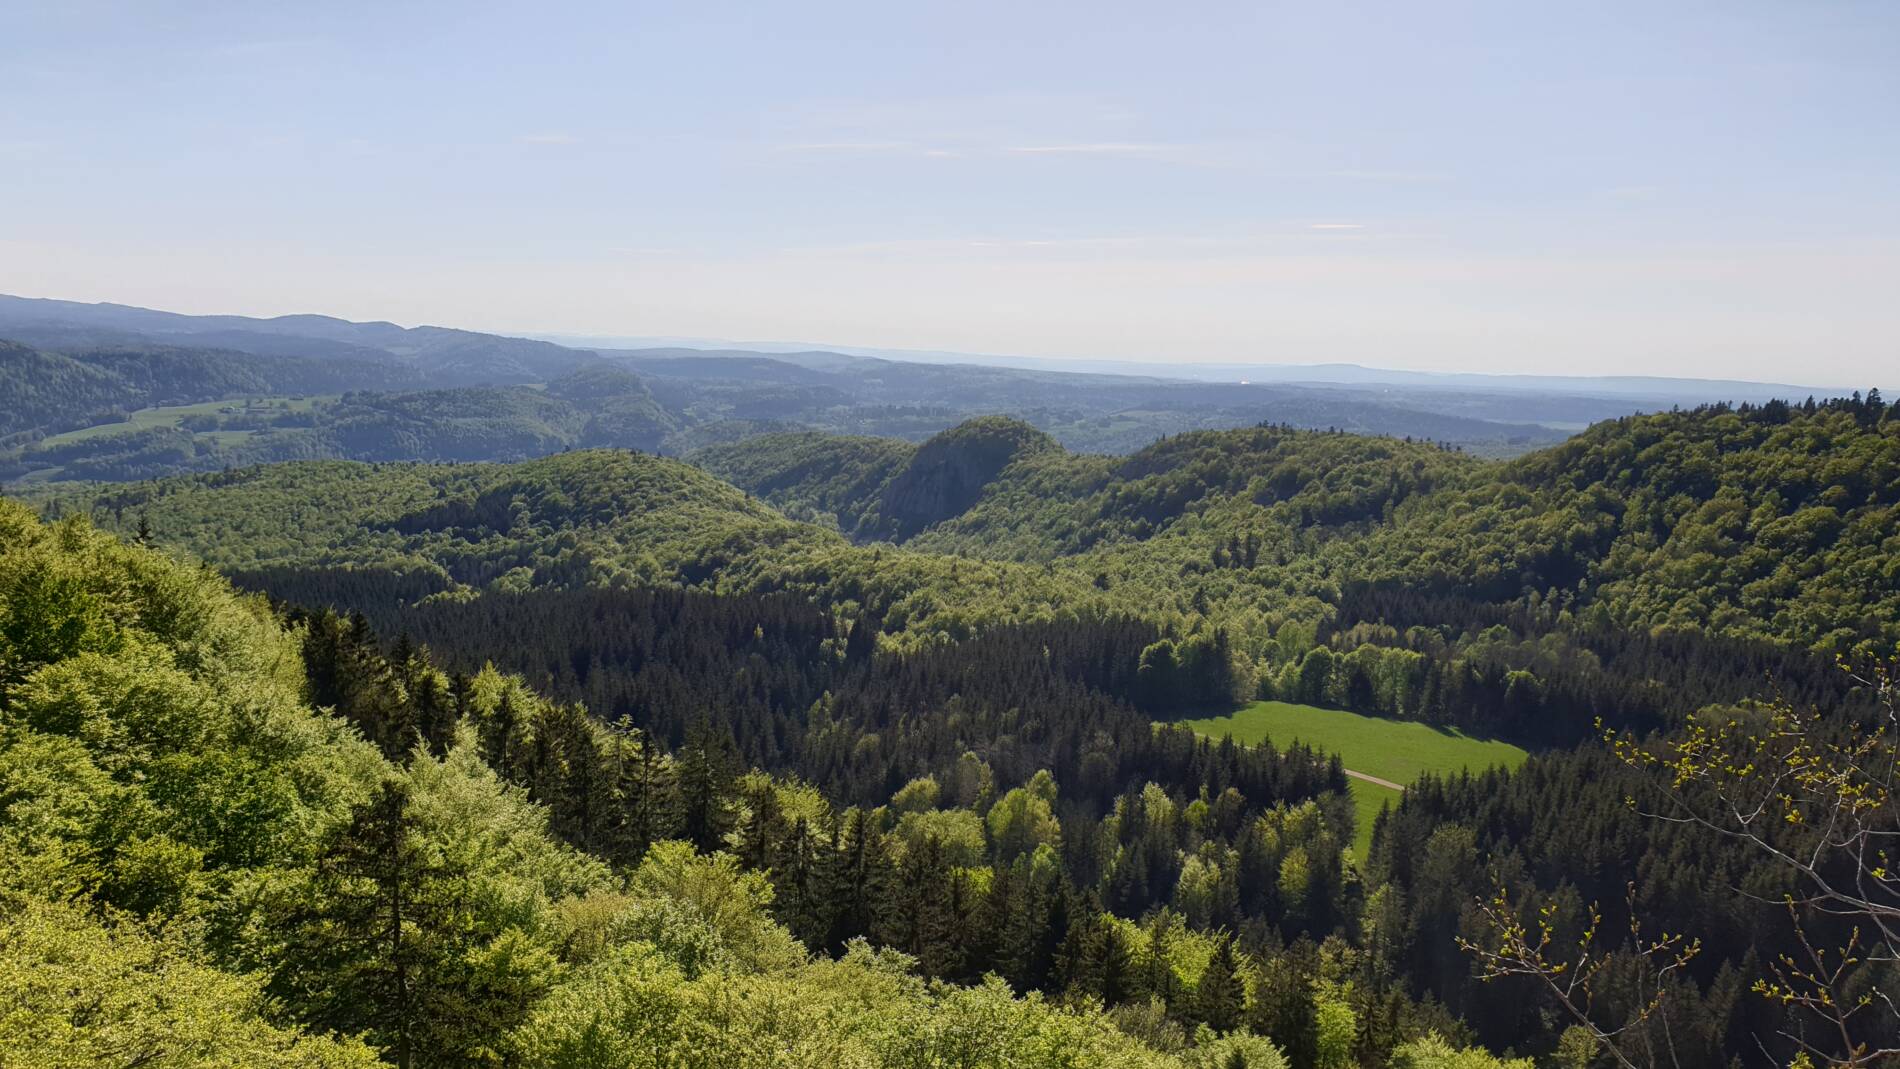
x=769 y=346
x=1704 y=191
x=1186 y=370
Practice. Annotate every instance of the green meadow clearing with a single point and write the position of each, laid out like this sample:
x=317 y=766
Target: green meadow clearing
x=1396 y=750
x=173 y=415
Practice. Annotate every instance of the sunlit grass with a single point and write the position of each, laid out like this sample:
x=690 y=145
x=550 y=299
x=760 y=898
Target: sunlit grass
x=1396 y=750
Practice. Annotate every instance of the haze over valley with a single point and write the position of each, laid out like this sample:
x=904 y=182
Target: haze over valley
x=110 y=392
x=1283 y=535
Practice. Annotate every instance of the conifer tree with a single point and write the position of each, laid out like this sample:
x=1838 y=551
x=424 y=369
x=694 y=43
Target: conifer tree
x=927 y=920
x=500 y=737
x=646 y=796
x=863 y=881
x=1283 y=1002
x=802 y=873
x=1117 y=980
x=705 y=789
x=759 y=837
x=1157 y=972
x=1219 y=997
x=359 y=955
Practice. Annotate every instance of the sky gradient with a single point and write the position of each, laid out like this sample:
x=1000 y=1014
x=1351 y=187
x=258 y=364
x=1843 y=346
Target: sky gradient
x=1590 y=188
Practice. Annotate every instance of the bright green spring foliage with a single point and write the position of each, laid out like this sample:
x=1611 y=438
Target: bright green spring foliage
x=198 y=870
x=1395 y=750
x=153 y=751
x=1772 y=522
x=588 y=518
x=635 y=1009
x=78 y=991
x=1433 y=1052
x=1775 y=522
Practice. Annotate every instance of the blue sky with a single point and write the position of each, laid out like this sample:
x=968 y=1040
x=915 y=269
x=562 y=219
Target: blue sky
x=1676 y=188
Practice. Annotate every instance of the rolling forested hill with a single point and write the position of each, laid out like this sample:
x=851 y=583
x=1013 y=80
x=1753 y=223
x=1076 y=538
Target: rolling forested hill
x=202 y=869
x=1384 y=576
x=138 y=409
x=155 y=413
x=1085 y=412
x=52 y=392
x=442 y=355
x=587 y=518
x=115 y=393
x=1018 y=496
x=1772 y=522
x=813 y=689
x=1776 y=521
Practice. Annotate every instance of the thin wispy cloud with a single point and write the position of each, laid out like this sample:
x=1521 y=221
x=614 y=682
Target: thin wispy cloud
x=244 y=49
x=1095 y=148
x=952 y=245
x=1157 y=244
x=1632 y=194
x=849 y=146
x=870 y=148
x=1335 y=226
x=1397 y=177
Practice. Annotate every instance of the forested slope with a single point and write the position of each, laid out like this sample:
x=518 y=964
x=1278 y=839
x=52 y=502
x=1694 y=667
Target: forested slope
x=1019 y=495
x=201 y=870
x=431 y=393
x=1528 y=598
x=438 y=354
x=586 y=518
x=1776 y=521
x=52 y=392
x=124 y=404
x=940 y=753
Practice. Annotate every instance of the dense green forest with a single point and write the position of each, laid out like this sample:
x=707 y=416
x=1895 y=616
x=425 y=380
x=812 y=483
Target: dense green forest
x=50 y=392
x=1526 y=597
x=109 y=413
x=277 y=410
x=1772 y=522
x=201 y=868
x=834 y=747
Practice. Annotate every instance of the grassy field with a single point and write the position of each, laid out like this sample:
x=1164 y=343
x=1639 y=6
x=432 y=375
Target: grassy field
x=172 y=415
x=1396 y=750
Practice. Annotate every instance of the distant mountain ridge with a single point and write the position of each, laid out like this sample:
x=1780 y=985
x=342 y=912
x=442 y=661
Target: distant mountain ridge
x=1655 y=388
x=449 y=356
x=95 y=391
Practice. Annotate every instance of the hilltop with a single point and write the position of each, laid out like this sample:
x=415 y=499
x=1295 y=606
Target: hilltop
x=1750 y=521
x=1373 y=574
x=1017 y=495
x=228 y=842
x=991 y=649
